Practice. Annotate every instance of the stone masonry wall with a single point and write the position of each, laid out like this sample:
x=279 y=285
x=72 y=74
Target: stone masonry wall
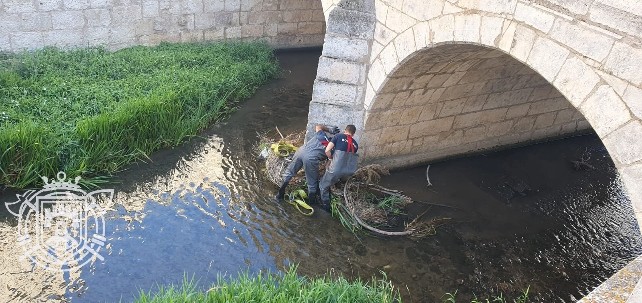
x=454 y=99
x=31 y=24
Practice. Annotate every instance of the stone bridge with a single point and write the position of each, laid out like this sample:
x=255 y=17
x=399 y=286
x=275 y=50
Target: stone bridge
x=428 y=79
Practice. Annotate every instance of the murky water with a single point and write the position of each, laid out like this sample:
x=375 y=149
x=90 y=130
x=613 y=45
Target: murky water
x=519 y=218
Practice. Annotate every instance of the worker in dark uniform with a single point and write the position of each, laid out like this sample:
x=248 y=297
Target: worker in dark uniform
x=308 y=156
x=342 y=151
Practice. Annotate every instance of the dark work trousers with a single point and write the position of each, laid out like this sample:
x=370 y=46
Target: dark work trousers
x=308 y=156
x=343 y=165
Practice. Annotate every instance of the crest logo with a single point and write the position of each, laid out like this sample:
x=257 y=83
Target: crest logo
x=60 y=227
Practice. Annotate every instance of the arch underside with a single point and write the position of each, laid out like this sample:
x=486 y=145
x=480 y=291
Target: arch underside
x=454 y=99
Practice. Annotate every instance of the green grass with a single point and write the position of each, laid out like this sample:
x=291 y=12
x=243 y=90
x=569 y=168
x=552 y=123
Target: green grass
x=273 y=288
x=522 y=298
x=89 y=112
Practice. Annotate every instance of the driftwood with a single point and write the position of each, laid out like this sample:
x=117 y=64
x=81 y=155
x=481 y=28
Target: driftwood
x=358 y=209
x=582 y=163
x=427 y=176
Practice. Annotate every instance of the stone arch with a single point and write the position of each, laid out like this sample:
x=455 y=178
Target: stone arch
x=599 y=78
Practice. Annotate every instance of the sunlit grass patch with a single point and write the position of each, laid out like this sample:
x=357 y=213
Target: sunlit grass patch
x=89 y=111
x=274 y=288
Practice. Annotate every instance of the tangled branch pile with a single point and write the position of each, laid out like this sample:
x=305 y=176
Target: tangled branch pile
x=361 y=203
x=276 y=165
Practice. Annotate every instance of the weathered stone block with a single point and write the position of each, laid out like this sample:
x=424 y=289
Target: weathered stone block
x=496 y=6
x=421 y=31
x=415 y=97
x=410 y=115
x=522 y=43
x=518 y=111
x=126 y=15
x=122 y=34
x=398 y=21
x=506 y=39
x=271 y=5
x=534 y=16
x=547 y=57
x=430 y=127
x=341 y=47
x=576 y=80
x=394 y=134
x=569 y=128
x=97 y=17
x=475 y=103
x=335 y=70
x=467 y=28
x=213 y=6
x=251 y=31
x=67 y=20
x=400 y=99
x=287 y=28
x=405 y=44
x=376 y=75
x=214 y=33
x=545 y=120
x=232 y=5
x=546 y=132
x=441 y=29
x=632 y=177
x=76 y=4
x=5 y=43
x=499 y=129
x=479 y=118
x=633 y=99
x=423 y=10
x=63 y=38
x=625 y=61
x=605 y=110
x=96 y=36
x=524 y=124
x=308 y=28
x=351 y=24
x=579 y=7
x=548 y=105
x=150 y=8
x=624 y=144
x=99 y=3
x=35 y=22
x=388 y=57
x=26 y=40
x=430 y=111
x=453 y=107
x=48 y=5
x=297 y=16
x=19 y=6
x=578 y=35
x=565 y=116
x=334 y=93
x=505 y=99
x=616 y=19
x=268 y=17
x=491 y=29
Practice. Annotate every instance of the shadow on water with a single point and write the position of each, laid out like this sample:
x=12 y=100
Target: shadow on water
x=524 y=217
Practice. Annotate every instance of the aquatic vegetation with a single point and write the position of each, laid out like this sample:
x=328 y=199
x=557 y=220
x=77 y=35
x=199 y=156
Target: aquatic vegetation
x=272 y=288
x=89 y=112
x=522 y=298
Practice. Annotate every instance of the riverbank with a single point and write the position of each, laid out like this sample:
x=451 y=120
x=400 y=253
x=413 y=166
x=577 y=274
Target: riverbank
x=89 y=112
x=273 y=288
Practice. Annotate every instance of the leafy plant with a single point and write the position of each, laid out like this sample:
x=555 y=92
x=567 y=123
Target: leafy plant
x=90 y=111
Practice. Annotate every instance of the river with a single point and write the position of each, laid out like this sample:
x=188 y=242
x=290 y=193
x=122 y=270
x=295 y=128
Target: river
x=523 y=217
